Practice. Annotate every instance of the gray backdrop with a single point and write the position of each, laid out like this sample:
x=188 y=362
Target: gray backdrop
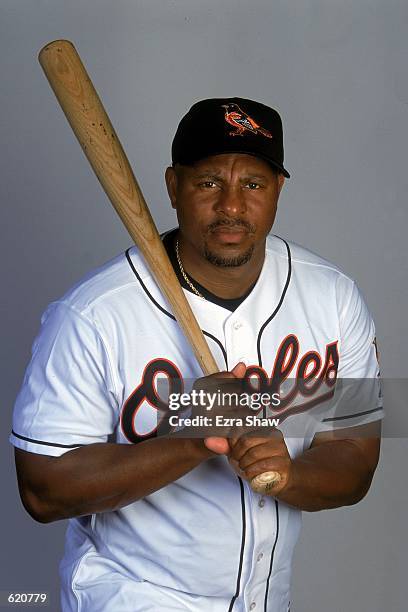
x=336 y=69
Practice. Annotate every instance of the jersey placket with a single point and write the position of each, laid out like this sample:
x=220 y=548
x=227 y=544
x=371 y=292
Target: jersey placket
x=240 y=342
x=261 y=520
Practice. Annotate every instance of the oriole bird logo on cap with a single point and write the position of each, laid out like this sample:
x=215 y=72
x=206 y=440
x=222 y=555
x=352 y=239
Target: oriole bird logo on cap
x=242 y=122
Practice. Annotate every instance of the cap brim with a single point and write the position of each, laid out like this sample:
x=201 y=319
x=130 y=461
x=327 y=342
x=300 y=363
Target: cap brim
x=270 y=161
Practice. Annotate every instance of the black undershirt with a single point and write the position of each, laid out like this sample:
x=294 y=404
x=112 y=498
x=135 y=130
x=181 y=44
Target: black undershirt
x=228 y=303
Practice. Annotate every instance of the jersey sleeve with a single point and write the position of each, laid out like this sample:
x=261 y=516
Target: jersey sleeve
x=67 y=398
x=358 y=398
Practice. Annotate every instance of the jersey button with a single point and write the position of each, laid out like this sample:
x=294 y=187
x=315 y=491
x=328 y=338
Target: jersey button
x=261 y=502
x=252 y=606
x=259 y=557
x=237 y=325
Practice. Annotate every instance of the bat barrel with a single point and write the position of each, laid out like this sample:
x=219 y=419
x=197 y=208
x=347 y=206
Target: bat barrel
x=91 y=125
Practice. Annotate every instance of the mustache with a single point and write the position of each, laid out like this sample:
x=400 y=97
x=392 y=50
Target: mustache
x=231 y=223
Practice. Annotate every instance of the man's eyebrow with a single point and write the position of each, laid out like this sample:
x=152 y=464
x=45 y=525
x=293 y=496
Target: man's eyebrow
x=255 y=175
x=218 y=175
x=208 y=173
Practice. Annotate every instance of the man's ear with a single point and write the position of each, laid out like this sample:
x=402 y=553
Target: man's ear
x=171 y=183
x=281 y=182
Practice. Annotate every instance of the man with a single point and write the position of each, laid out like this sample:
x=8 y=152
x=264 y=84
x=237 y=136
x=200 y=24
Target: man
x=167 y=523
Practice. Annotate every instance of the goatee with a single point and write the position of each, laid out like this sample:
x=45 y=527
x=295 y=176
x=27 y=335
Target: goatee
x=228 y=262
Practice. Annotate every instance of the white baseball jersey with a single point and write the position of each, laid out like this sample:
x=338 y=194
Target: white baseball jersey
x=206 y=542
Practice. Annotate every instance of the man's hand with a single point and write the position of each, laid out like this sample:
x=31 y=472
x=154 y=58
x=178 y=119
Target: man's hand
x=251 y=455
x=217 y=444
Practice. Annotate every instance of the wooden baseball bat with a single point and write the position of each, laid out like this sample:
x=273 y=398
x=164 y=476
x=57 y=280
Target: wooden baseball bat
x=92 y=127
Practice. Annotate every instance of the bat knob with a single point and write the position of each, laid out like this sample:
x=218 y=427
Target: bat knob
x=265 y=482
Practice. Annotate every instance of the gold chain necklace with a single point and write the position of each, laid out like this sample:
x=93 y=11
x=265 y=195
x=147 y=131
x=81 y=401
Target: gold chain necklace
x=188 y=281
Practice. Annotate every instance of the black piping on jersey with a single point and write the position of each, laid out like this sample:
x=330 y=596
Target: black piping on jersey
x=272 y=555
x=166 y=312
x=351 y=416
x=45 y=443
x=241 y=556
x=282 y=297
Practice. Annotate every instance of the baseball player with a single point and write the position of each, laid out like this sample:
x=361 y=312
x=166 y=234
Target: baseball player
x=167 y=523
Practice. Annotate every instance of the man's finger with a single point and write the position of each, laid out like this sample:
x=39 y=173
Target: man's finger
x=239 y=370
x=252 y=439
x=217 y=445
x=260 y=452
x=247 y=441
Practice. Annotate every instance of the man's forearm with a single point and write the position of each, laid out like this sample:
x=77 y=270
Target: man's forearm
x=330 y=475
x=103 y=477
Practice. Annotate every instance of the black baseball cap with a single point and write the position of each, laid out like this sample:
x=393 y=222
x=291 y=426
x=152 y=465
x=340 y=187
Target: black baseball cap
x=229 y=125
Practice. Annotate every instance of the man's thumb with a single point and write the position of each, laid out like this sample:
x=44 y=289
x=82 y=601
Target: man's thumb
x=239 y=370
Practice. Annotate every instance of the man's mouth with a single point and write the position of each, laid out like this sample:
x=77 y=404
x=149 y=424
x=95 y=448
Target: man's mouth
x=231 y=227
x=229 y=235
x=230 y=231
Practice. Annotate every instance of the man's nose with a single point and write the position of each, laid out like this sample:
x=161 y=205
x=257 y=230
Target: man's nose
x=231 y=201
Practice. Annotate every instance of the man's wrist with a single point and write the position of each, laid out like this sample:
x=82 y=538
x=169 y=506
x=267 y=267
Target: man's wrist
x=198 y=449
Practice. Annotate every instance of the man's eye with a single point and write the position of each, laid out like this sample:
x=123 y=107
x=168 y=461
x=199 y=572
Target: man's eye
x=208 y=184
x=252 y=185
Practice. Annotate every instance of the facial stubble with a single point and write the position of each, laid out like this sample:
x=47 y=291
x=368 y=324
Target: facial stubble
x=227 y=262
